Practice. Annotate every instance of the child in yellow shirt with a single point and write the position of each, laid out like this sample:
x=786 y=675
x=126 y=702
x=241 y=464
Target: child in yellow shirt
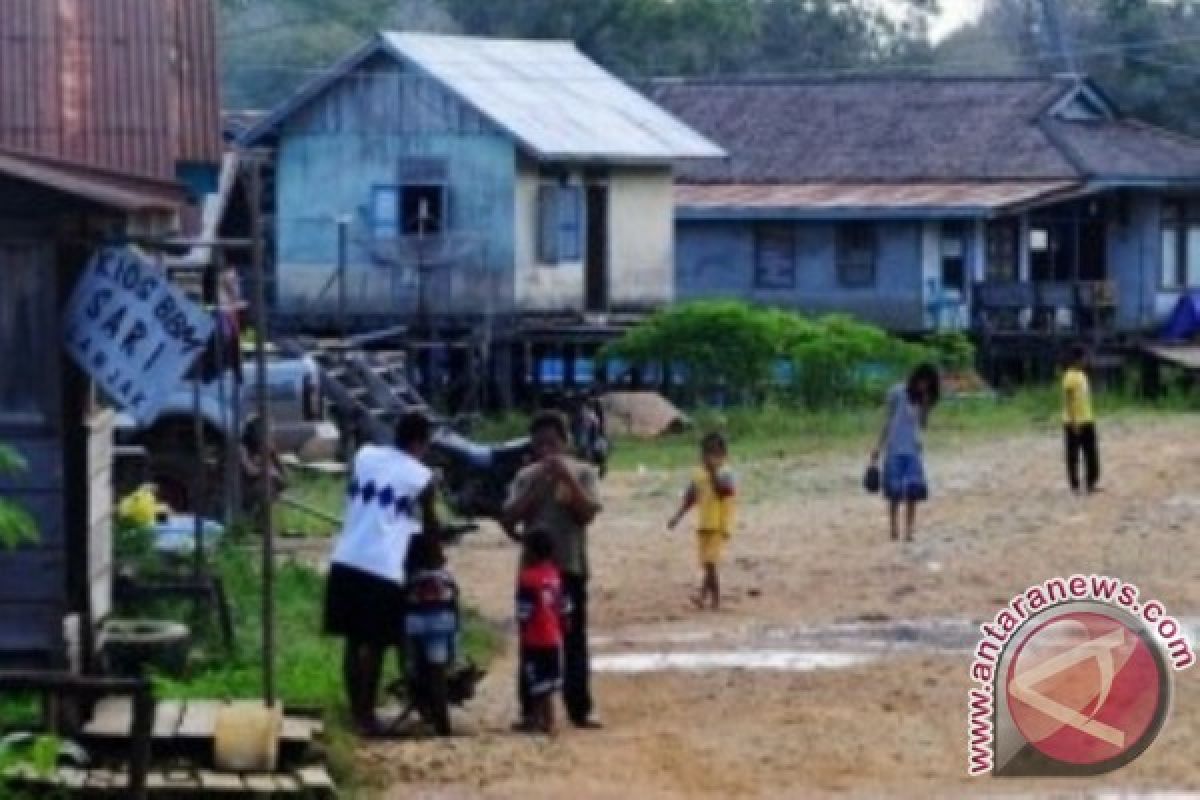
x=713 y=492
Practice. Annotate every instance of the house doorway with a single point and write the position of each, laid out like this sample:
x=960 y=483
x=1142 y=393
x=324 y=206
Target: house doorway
x=596 y=256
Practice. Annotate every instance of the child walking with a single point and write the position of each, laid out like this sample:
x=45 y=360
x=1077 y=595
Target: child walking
x=542 y=609
x=713 y=492
x=1079 y=423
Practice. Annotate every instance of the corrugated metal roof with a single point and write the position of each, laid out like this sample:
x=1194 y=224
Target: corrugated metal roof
x=125 y=85
x=553 y=100
x=899 y=197
x=109 y=190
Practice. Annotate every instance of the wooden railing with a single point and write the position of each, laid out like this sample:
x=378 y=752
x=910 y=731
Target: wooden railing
x=1044 y=307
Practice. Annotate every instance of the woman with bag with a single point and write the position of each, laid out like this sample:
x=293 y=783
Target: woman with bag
x=903 y=474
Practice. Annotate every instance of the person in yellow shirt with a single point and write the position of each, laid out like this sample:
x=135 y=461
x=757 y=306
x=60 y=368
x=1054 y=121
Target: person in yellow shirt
x=1079 y=423
x=713 y=492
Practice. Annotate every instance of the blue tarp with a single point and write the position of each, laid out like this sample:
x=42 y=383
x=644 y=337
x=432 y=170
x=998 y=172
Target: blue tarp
x=1184 y=323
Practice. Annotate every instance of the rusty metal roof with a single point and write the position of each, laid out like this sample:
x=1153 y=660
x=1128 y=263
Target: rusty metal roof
x=816 y=199
x=123 y=85
x=109 y=190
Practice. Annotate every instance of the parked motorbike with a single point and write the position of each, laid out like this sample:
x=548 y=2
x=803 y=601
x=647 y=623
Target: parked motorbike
x=475 y=477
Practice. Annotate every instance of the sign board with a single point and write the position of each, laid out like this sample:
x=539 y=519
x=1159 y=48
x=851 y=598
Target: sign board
x=133 y=332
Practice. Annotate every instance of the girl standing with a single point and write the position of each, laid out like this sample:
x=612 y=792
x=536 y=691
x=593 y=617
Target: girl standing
x=904 y=484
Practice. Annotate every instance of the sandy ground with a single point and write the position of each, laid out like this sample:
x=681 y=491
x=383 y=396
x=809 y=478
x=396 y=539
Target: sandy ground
x=812 y=550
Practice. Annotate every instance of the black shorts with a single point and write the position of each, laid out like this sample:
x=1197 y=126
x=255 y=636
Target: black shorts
x=364 y=607
x=541 y=670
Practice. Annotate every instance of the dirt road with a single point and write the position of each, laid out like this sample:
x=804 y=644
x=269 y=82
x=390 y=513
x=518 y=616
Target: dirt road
x=811 y=565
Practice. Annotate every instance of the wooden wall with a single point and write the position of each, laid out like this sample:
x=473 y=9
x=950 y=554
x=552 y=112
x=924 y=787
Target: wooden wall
x=718 y=259
x=33 y=578
x=361 y=133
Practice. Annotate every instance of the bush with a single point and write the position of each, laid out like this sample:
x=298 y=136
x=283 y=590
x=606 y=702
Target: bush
x=748 y=354
x=16 y=525
x=951 y=350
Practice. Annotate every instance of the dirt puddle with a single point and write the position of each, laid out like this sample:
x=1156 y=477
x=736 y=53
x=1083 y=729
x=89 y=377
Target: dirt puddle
x=840 y=645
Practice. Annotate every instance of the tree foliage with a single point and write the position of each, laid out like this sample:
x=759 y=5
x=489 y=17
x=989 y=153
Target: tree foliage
x=1145 y=53
x=271 y=46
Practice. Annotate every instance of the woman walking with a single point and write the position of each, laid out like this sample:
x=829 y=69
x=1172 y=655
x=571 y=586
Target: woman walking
x=904 y=484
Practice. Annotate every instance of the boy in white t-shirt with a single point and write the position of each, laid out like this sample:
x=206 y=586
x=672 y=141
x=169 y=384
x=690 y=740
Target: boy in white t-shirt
x=390 y=499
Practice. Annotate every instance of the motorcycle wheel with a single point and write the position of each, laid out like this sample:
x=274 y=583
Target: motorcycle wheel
x=435 y=698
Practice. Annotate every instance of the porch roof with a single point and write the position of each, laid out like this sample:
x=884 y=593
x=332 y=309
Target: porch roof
x=826 y=200
x=106 y=189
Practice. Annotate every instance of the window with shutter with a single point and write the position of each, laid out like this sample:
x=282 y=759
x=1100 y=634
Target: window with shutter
x=547 y=208
x=570 y=223
x=385 y=212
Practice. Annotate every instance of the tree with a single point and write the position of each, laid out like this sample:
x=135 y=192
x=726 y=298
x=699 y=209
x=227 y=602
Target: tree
x=1145 y=53
x=273 y=45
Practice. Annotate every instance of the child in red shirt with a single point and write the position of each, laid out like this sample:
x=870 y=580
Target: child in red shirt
x=542 y=608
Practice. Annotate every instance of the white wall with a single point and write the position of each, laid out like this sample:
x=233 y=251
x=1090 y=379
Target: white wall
x=541 y=287
x=641 y=212
x=642 y=239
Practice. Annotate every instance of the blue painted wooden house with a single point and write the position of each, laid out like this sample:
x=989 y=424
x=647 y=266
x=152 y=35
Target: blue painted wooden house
x=933 y=202
x=473 y=178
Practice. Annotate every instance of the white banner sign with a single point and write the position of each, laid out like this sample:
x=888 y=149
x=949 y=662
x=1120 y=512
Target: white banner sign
x=133 y=332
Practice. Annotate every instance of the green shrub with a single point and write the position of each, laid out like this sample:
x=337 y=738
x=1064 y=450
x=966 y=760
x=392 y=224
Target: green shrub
x=736 y=350
x=951 y=350
x=16 y=526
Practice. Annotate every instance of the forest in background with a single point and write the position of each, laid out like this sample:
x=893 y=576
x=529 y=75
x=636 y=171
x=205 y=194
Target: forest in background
x=1146 y=53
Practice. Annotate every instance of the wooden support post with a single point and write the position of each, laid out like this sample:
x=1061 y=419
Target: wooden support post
x=264 y=421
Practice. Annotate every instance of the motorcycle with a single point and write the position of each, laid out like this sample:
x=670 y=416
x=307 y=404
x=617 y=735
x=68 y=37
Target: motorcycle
x=475 y=477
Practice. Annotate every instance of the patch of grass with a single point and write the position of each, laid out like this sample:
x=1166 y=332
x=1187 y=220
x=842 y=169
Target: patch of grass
x=324 y=493
x=308 y=665
x=777 y=431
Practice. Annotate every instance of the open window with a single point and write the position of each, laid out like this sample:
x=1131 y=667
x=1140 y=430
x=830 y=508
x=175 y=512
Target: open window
x=417 y=209
x=422 y=209
x=856 y=254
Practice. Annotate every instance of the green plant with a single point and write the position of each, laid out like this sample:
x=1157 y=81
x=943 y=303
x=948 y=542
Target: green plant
x=951 y=350
x=308 y=664
x=747 y=354
x=16 y=526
